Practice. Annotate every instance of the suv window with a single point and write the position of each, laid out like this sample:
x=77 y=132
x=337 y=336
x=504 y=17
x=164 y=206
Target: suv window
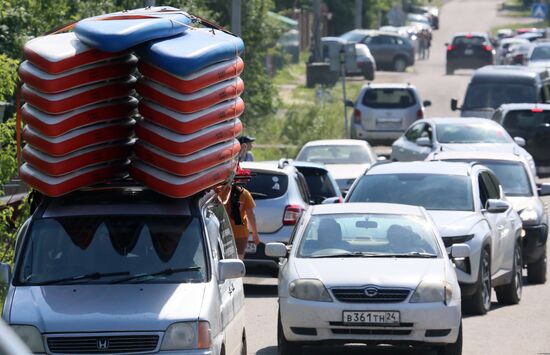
x=302 y=187
x=219 y=231
x=265 y=186
x=487 y=188
x=389 y=98
x=383 y=40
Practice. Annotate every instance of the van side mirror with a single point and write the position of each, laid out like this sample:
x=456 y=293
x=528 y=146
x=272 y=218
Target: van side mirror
x=544 y=189
x=460 y=251
x=350 y=103
x=519 y=141
x=230 y=269
x=423 y=142
x=496 y=206
x=454 y=104
x=276 y=250
x=5 y=273
x=426 y=103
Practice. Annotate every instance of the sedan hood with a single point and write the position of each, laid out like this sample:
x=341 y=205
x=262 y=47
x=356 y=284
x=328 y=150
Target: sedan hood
x=485 y=147
x=346 y=171
x=396 y=272
x=106 y=308
x=454 y=223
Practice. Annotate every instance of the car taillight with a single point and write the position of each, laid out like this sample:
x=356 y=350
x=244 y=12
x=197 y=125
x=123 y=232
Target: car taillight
x=292 y=214
x=450 y=48
x=537 y=110
x=488 y=47
x=419 y=114
x=356 y=116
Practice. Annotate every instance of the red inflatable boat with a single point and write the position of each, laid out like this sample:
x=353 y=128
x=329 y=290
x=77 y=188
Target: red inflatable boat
x=77 y=98
x=60 y=185
x=189 y=164
x=185 y=144
x=80 y=159
x=90 y=74
x=178 y=186
x=189 y=103
x=196 y=81
x=61 y=52
x=79 y=138
x=56 y=125
x=192 y=122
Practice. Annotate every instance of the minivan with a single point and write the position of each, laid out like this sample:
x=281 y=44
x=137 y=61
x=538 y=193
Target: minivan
x=127 y=270
x=494 y=85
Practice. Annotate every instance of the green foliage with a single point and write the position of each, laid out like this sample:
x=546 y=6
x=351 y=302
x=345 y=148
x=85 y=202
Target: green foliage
x=8 y=77
x=374 y=14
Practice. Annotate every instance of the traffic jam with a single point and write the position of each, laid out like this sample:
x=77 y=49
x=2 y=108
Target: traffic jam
x=148 y=211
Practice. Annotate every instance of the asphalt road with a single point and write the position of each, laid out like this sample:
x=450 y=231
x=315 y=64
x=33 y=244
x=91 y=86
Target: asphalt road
x=511 y=330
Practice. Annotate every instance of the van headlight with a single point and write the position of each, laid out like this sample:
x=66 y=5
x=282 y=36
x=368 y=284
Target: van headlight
x=31 y=336
x=432 y=291
x=529 y=216
x=186 y=336
x=309 y=289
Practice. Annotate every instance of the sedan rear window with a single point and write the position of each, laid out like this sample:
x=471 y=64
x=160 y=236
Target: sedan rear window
x=471 y=133
x=264 y=186
x=469 y=40
x=432 y=191
x=389 y=98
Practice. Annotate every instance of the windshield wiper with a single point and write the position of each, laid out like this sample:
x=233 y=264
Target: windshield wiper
x=90 y=276
x=165 y=272
x=414 y=254
x=357 y=254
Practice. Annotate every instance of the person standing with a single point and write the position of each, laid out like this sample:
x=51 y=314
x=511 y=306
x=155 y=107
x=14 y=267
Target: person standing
x=246 y=147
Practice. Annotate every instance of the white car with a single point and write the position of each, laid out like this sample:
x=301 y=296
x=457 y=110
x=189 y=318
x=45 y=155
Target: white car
x=368 y=273
x=345 y=159
x=456 y=134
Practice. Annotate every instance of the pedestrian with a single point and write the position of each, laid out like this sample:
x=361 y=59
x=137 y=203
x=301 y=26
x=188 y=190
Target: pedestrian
x=246 y=147
x=240 y=205
x=428 y=43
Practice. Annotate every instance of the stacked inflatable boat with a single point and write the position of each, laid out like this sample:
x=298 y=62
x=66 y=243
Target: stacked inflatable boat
x=80 y=108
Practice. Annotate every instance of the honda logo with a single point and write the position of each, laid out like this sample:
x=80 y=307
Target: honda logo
x=102 y=344
x=371 y=291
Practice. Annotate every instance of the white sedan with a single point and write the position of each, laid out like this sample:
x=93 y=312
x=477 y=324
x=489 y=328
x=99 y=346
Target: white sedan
x=368 y=273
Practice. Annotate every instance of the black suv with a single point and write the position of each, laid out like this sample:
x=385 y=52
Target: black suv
x=469 y=51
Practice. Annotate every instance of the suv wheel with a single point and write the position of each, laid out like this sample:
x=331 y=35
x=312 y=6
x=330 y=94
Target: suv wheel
x=453 y=348
x=399 y=64
x=449 y=70
x=480 y=301
x=536 y=272
x=511 y=293
x=285 y=347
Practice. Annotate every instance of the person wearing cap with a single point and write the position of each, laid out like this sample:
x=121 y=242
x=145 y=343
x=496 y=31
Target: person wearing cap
x=246 y=147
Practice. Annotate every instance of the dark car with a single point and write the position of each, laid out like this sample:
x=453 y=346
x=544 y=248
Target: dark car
x=469 y=51
x=365 y=63
x=388 y=49
x=532 y=123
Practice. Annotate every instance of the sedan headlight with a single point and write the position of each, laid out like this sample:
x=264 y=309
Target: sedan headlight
x=31 y=336
x=529 y=216
x=432 y=291
x=188 y=335
x=309 y=289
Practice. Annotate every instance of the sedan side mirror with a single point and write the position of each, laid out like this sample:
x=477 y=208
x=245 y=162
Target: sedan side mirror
x=460 y=251
x=496 y=206
x=519 y=141
x=454 y=104
x=350 y=103
x=276 y=250
x=330 y=200
x=427 y=103
x=544 y=189
x=231 y=269
x=424 y=142
x=5 y=273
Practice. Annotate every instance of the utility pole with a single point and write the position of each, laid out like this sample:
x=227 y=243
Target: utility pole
x=236 y=17
x=317 y=50
x=358 y=13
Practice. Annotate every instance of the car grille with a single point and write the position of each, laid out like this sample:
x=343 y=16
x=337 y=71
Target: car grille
x=371 y=294
x=103 y=344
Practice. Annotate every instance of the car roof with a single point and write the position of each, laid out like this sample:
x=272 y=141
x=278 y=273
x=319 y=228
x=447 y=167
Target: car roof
x=478 y=155
x=366 y=207
x=505 y=72
x=464 y=34
x=421 y=167
x=523 y=106
x=389 y=86
x=459 y=120
x=514 y=40
x=323 y=142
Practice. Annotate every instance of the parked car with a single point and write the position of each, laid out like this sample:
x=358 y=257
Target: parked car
x=468 y=206
x=281 y=195
x=504 y=48
x=492 y=86
x=127 y=270
x=382 y=112
x=519 y=186
x=448 y=134
x=388 y=49
x=539 y=56
x=366 y=65
x=504 y=33
x=346 y=159
x=532 y=123
x=469 y=51
x=328 y=296
x=431 y=12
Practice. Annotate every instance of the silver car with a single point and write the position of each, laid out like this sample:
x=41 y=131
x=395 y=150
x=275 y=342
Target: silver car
x=468 y=206
x=382 y=112
x=456 y=134
x=126 y=270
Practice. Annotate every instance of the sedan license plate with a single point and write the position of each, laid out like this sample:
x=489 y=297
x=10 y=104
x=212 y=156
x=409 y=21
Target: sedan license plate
x=378 y=317
x=250 y=248
x=468 y=51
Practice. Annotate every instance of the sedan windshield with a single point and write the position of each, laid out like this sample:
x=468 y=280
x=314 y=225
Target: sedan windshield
x=110 y=249
x=432 y=191
x=368 y=235
x=336 y=154
x=471 y=133
x=512 y=176
x=540 y=53
x=492 y=95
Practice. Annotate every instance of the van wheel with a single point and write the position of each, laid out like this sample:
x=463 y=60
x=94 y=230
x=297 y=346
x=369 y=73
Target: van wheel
x=536 y=272
x=399 y=64
x=454 y=348
x=285 y=347
x=480 y=302
x=511 y=293
x=243 y=344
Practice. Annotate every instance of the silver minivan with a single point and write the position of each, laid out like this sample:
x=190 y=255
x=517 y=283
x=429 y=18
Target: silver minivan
x=125 y=270
x=382 y=112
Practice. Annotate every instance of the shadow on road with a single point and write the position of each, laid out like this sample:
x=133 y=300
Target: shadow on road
x=352 y=349
x=260 y=291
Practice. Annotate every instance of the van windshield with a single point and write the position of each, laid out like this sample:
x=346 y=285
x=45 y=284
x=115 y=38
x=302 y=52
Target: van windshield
x=492 y=95
x=112 y=249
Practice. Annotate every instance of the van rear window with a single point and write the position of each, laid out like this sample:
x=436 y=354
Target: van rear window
x=389 y=98
x=264 y=186
x=494 y=94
